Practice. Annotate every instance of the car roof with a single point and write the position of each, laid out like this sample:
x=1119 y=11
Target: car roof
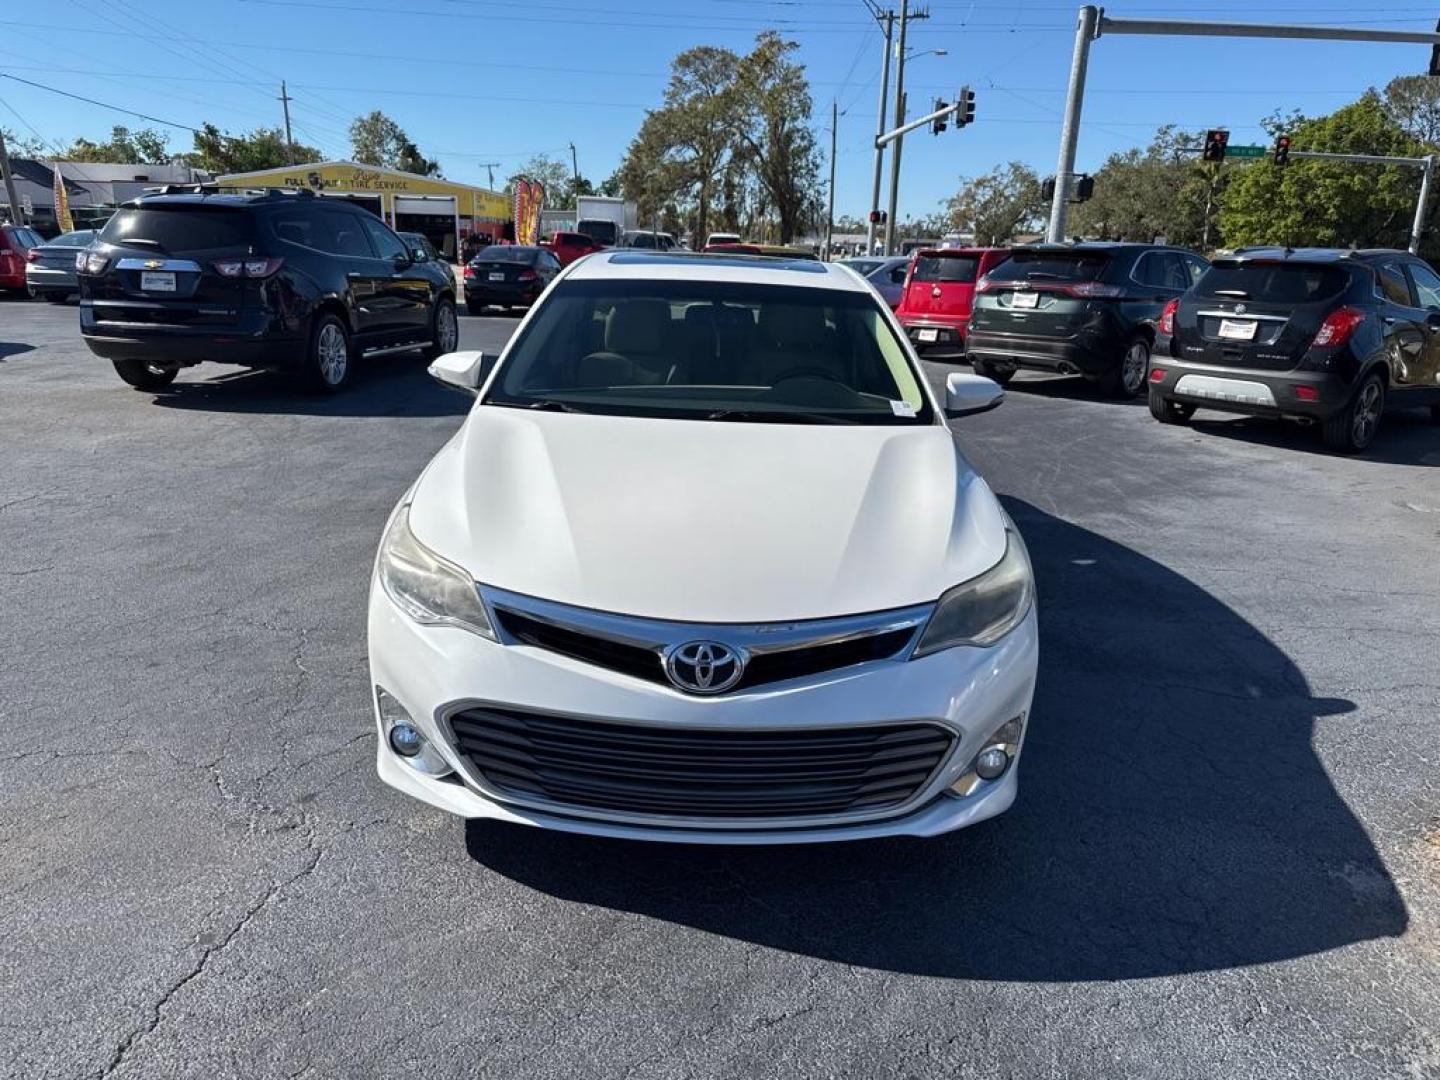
x=640 y=264
x=966 y=252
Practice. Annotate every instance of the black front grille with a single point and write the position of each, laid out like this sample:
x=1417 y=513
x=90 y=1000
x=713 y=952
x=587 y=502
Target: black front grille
x=645 y=663
x=699 y=772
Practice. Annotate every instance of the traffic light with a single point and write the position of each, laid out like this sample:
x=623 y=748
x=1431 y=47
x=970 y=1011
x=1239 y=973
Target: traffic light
x=1215 y=142
x=1282 y=150
x=877 y=217
x=1047 y=188
x=964 y=107
x=938 y=124
x=1084 y=188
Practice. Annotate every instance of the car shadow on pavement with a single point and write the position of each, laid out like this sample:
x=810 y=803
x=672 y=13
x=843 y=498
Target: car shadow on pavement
x=1406 y=436
x=1067 y=388
x=1172 y=817
x=14 y=348
x=385 y=386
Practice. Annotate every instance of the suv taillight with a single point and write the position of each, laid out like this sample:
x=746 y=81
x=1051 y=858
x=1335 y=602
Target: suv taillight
x=1338 y=326
x=1093 y=288
x=527 y=275
x=1167 y=316
x=248 y=268
x=32 y=255
x=91 y=262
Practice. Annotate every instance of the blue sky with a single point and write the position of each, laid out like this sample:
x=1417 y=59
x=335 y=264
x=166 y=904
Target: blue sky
x=498 y=80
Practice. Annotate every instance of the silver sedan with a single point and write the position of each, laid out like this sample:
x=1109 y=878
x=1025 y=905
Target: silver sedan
x=50 y=273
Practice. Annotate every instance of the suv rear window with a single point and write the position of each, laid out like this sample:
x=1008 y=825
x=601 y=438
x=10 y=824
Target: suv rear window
x=1279 y=283
x=508 y=253
x=1056 y=265
x=191 y=228
x=952 y=268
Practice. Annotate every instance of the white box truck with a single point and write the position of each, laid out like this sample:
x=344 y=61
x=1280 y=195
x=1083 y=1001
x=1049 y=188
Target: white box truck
x=605 y=219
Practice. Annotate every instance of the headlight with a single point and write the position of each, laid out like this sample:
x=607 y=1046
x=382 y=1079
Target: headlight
x=425 y=586
x=984 y=609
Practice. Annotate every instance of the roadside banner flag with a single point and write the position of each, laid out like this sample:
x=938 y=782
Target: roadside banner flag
x=62 y=203
x=529 y=198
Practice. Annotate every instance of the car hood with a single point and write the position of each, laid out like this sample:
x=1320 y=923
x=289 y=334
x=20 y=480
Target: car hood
x=707 y=521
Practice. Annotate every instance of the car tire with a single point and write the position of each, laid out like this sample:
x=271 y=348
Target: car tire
x=1167 y=411
x=1353 y=428
x=1127 y=380
x=144 y=375
x=328 y=361
x=444 y=329
x=999 y=373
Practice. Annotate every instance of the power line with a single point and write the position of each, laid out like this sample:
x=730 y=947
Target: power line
x=101 y=104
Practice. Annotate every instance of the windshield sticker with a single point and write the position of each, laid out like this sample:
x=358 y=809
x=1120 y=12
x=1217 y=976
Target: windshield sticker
x=902 y=408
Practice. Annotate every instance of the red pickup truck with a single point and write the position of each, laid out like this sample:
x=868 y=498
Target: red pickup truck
x=569 y=246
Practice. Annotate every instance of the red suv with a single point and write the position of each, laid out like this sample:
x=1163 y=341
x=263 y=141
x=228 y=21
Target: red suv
x=569 y=246
x=939 y=289
x=15 y=244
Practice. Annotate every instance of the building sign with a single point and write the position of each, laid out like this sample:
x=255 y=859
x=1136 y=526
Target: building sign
x=348 y=178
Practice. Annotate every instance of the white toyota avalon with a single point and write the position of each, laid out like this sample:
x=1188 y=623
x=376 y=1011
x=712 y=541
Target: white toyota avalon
x=704 y=563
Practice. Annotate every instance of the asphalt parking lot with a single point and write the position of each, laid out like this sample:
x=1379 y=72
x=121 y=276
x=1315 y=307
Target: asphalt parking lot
x=1225 y=858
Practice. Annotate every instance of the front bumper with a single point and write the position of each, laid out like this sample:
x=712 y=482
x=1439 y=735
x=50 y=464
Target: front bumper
x=1249 y=392
x=432 y=671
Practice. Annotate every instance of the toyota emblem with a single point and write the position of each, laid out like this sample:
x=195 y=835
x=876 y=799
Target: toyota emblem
x=704 y=667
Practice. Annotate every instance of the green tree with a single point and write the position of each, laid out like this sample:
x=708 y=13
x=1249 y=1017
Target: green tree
x=997 y=205
x=124 y=147
x=554 y=174
x=375 y=139
x=24 y=146
x=263 y=148
x=1413 y=102
x=772 y=128
x=1323 y=203
x=1162 y=190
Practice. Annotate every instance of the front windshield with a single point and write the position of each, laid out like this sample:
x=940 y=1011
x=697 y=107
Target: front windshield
x=713 y=351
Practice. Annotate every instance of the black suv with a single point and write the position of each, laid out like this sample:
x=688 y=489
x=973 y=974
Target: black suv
x=279 y=280
x=1324 y=336
x=1079 y=309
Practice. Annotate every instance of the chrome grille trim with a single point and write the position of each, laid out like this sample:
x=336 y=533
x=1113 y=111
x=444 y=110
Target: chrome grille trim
x=752 y=639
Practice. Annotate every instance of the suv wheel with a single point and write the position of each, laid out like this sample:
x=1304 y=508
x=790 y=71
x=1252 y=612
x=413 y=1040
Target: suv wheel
x=1127 y=380
x=444 y=329
x=1167 y=411
x=144 y=375
x=1353 y=428
x=1000 y=373
x=327 y=361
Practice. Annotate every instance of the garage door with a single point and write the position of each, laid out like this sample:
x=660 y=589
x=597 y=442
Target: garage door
x=436 y=205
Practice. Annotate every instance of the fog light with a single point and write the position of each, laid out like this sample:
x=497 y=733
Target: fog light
x=989 y=765
x=406 y=739
x=407 y=742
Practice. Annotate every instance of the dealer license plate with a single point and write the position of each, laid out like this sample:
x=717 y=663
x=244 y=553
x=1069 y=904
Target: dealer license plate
x=1238 y=329
x=1025 y=300
x=157 y=281
x=497 y=276
x=928 y=335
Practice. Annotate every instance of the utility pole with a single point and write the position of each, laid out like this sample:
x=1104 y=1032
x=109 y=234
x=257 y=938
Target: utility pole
x=830 y=212
x=490 y=167
x=889 y=20
x=285 y=104
x=17 y=215
x=905 y=18
x=574 y=171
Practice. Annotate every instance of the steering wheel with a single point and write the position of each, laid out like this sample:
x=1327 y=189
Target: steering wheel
x=812 y=372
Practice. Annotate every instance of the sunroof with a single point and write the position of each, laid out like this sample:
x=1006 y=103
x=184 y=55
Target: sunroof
x=633 y=257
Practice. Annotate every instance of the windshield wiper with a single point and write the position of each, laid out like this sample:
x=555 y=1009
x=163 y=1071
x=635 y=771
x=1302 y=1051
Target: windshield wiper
x=764 y=416
x=543 y=404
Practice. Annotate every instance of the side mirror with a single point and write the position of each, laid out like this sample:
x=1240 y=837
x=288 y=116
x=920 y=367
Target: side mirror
x=463 y=371
x=420 y=255
x=966 y=395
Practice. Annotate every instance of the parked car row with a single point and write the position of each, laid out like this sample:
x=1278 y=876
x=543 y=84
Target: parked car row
x=1326 y=337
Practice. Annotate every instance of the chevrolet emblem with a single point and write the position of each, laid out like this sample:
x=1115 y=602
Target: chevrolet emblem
x=154 y=264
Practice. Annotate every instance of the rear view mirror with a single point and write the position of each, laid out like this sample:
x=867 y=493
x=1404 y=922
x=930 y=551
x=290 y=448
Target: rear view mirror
x=966 y=395
x=463 y=371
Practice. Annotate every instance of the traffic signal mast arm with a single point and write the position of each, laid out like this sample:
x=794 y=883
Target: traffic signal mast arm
x=919 y=122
